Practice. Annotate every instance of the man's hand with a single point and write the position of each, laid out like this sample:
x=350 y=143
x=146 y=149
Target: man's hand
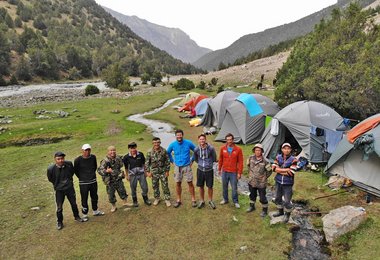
x=239 y=176
x=128 y=177
x=109 y=170
x=149 y=174
x=167 y=174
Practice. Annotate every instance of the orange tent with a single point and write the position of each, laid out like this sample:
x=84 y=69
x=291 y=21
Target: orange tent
x=192 y=103
x=362 y=128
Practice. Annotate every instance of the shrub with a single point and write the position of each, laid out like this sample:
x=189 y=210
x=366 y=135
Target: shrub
x=184 y=84
x=125 y=87
x=214 y=81
x=91 y=90
x=220 y=89
x=201 y=85
x=13 y=80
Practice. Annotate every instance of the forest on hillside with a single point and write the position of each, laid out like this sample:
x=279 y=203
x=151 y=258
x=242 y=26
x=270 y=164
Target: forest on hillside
x=337 y=64
x=73 y=39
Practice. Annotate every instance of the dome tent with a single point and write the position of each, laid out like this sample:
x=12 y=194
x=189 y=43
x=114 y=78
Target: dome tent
x=246 y=118
x=310 y=126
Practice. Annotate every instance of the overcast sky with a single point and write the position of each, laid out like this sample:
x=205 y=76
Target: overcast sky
x=216 y=24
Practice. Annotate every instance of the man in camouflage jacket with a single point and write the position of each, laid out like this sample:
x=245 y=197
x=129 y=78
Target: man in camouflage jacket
x=112 y=175
x=259 y=172
x=157 y=165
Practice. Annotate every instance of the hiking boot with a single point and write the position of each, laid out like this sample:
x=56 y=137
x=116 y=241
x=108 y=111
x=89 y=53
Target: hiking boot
x=135 y=203
x=168 y=204
x=212 y=204
x=79 y=219
x=156 y=201
x=201 y=204
x=177 y=204
x=251 y=207
x=59 y=225
x=264 y=213
x=237 y=205
x=113 y=207
x=286 y=217
x=194 y=204
x=223 y=202
x=126 y=203
x=147 y=201
x=98 y=213
x=279 y=213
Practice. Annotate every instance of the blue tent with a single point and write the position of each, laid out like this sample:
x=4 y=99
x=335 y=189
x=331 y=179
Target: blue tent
x=201 y=107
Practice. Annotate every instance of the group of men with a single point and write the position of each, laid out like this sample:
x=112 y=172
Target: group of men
x=181 y=154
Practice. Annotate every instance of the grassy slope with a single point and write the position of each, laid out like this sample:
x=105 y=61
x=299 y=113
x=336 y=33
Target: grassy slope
x=151 y=233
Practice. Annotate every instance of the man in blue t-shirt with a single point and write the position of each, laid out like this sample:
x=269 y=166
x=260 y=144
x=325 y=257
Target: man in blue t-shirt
x=182 y=165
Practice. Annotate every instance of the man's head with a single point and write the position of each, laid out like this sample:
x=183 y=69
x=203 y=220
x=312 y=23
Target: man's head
x=202 y=139
x=286 y=149
x=258 y=150
x=132 y=147
x=111 y=151
x=179 y=135
x=59 y=158
x=229 y=139
x=156 y=143
x=86 y=150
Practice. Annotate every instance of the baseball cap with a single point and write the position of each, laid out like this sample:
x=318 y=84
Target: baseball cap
x=258 y=146
x=286 y=144
x=86 y=146
x=59 y=154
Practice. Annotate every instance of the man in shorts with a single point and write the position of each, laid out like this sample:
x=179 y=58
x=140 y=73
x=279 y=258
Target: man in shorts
x=182 y=165
x=205 y=156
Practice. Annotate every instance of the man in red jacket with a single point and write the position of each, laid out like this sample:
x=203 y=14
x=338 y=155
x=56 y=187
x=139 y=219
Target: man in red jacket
x=231 y=168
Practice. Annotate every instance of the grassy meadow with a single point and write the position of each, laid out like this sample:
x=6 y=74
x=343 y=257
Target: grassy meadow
x=144 y=232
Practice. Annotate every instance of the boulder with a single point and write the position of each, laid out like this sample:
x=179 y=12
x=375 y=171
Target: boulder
x=342 y=220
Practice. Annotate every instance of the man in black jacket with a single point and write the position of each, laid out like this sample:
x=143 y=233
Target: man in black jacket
x=85 y=167
x=60 y=175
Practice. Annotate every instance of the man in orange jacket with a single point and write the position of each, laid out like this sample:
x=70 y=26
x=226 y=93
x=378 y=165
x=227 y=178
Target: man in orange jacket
x=231 y=168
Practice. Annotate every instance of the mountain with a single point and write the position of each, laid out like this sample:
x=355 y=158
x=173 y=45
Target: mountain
x=172 y=40
x=58 y=39
x=258 y=41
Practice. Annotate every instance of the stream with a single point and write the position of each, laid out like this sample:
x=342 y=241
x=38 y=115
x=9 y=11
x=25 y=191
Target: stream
x=158 y=129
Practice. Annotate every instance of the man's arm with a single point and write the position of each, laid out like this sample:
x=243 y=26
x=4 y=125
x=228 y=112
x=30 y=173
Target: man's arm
x=220 y=163
x=240 y=162
x=195 y=156
x=213 y=155
x=76 y=167
x=50 y=173
x=169 y=152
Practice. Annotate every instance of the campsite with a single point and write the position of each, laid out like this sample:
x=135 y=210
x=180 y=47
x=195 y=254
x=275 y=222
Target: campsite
x=292 y=113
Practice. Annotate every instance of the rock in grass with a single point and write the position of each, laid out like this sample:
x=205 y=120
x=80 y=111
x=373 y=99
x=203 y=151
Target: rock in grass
x=35 y=208
x=342 y=220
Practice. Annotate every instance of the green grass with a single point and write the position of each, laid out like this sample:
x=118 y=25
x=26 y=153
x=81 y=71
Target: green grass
x=145 y=232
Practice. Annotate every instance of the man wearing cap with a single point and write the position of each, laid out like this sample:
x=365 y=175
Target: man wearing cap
x=60 y=175
x=112 y=175
x=259 y=171
x=231 y=168
x=85 y=167
x=157 y=165
x=285 y=166
x=134 y=163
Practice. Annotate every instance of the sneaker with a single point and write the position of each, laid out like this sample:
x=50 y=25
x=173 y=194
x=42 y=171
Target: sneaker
x=201 y=204
x=84 y=216
x=237 y=205
x=212 y=204
x=113 y=208
x=156 y=201
x=167 y=202
x=194 y=204
x=223 y=202
x=59 y=225
x=98 y=213
x=79 y=219
x=177 y=204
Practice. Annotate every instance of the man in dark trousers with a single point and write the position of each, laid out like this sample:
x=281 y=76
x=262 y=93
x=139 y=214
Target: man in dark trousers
x=85 y=167
x=134 y=164
x=205 y=156
x=60 y=175
x=285 y=165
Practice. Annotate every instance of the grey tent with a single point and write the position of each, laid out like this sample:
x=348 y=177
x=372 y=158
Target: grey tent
x=360 y=163
x=311 y=127
x=247 y=128
x=216 y=108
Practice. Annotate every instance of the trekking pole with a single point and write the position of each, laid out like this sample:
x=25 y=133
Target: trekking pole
x=330 y=195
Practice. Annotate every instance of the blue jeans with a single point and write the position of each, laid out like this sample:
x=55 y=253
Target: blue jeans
x=232 y=178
